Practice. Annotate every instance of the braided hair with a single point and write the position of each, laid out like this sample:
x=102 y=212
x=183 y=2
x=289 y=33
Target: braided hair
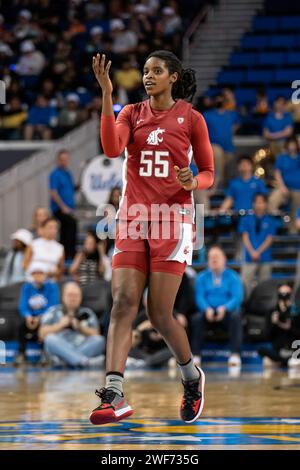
x=185 y=85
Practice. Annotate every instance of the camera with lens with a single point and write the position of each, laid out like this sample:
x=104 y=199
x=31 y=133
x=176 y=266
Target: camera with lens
x=284 y=306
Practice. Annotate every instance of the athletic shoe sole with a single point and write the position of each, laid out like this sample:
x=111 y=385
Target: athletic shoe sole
x=110 y=416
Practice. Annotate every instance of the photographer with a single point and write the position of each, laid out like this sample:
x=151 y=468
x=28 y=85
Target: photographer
x=283 y=328
x=71 y=332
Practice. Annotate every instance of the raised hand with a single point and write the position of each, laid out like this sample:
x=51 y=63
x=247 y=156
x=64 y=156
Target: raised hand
x=101 y=72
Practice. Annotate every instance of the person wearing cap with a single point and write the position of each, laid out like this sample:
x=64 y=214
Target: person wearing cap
x=124 y=40
x=24 y=26
x=70 y=115
x=13 y=271
x=171 y=21
x=37 y=296
x=31 y=61
x=95 y=43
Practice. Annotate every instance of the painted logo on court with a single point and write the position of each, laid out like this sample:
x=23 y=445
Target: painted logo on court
x=158 y=432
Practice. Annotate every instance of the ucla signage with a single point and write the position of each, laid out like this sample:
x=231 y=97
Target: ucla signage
x=98 y=178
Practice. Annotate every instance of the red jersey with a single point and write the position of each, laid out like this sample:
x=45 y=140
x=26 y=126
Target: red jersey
x=154 y=142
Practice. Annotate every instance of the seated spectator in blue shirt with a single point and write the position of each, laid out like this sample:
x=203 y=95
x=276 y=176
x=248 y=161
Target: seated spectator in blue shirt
x=241 y=190
x=278 y=126
x=222 y=125
x=71 y=332
x=36 y=297
x=62 y=194
x=287 y=178
x=258 y=230
x=218 y=295
x=41 y=119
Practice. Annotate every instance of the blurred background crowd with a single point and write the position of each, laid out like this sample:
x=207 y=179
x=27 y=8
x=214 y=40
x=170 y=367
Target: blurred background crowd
x=244 y=285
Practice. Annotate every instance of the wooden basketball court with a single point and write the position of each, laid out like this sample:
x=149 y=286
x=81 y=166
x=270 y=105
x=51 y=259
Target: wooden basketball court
x=49 y=409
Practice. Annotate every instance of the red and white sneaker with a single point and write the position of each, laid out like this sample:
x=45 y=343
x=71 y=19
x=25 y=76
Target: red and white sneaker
x=113 y=407
x=193 y=398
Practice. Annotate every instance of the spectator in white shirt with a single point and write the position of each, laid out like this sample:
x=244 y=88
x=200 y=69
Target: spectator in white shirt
x=47 y=250
x=31 y=61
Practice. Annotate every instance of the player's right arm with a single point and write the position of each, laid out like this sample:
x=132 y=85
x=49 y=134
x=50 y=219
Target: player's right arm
x=114 y=134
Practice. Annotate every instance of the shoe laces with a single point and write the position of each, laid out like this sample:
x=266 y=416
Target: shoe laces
x=191 y=393
x=105 y=394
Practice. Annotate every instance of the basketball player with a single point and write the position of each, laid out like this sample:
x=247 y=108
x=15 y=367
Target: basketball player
x=159 y=136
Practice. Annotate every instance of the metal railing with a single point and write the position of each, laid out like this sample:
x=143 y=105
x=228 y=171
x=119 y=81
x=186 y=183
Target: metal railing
x=186 y=40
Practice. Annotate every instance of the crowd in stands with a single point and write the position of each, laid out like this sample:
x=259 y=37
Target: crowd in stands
x=45 y=61
x=46 y=51
x=51 y=307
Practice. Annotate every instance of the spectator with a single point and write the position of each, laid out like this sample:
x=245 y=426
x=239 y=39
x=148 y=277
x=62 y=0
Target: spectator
x=24 y=27
x=257 y=231
x=36 y=297
x=128 y=80
x=171 y=21
x=13 y=270
x=282 y=330
x=124 y=41
x=278 y=126
x=70 y=332
x=287 y=178
x=222 y=125
x=241 y=190
x=229 y=99
x=31 y=62
x=41 y=119
x=88 y=265
x=297 y=280
x=218 y=295
x=47 y=251
x=62 y=191
x=40 y=215
x=12 y=118
x=71 y=115
x=260 y=111
x=95 y=43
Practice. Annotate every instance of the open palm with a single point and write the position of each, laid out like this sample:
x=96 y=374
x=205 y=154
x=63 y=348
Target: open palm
x=101 y=72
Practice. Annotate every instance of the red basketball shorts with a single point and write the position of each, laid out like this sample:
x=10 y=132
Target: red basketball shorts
x=153 y=246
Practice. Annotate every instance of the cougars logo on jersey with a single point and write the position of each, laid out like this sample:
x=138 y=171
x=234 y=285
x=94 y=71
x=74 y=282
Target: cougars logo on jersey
x=159 y=141
x=155 y=137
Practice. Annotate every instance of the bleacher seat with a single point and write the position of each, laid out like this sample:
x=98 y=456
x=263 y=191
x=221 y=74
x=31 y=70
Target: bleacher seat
x=289 y=23
x=293 y=58
x=272 y=93
x=282 y=41
x=96 y=296
x=231 y=77
x=285 y=75
x=262 y=301
x=245 y=95
x=271 y=58
x=255 y=42
x=265 y=23
x=243 y=59
x=9 y=311
x=259 y=76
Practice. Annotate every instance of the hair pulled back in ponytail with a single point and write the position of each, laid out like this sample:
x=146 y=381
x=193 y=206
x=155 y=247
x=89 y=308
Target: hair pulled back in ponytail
x=185 y=85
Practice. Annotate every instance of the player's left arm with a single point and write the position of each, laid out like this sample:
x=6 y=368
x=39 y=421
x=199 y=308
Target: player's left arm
x=203 y=156
x=202 y=150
